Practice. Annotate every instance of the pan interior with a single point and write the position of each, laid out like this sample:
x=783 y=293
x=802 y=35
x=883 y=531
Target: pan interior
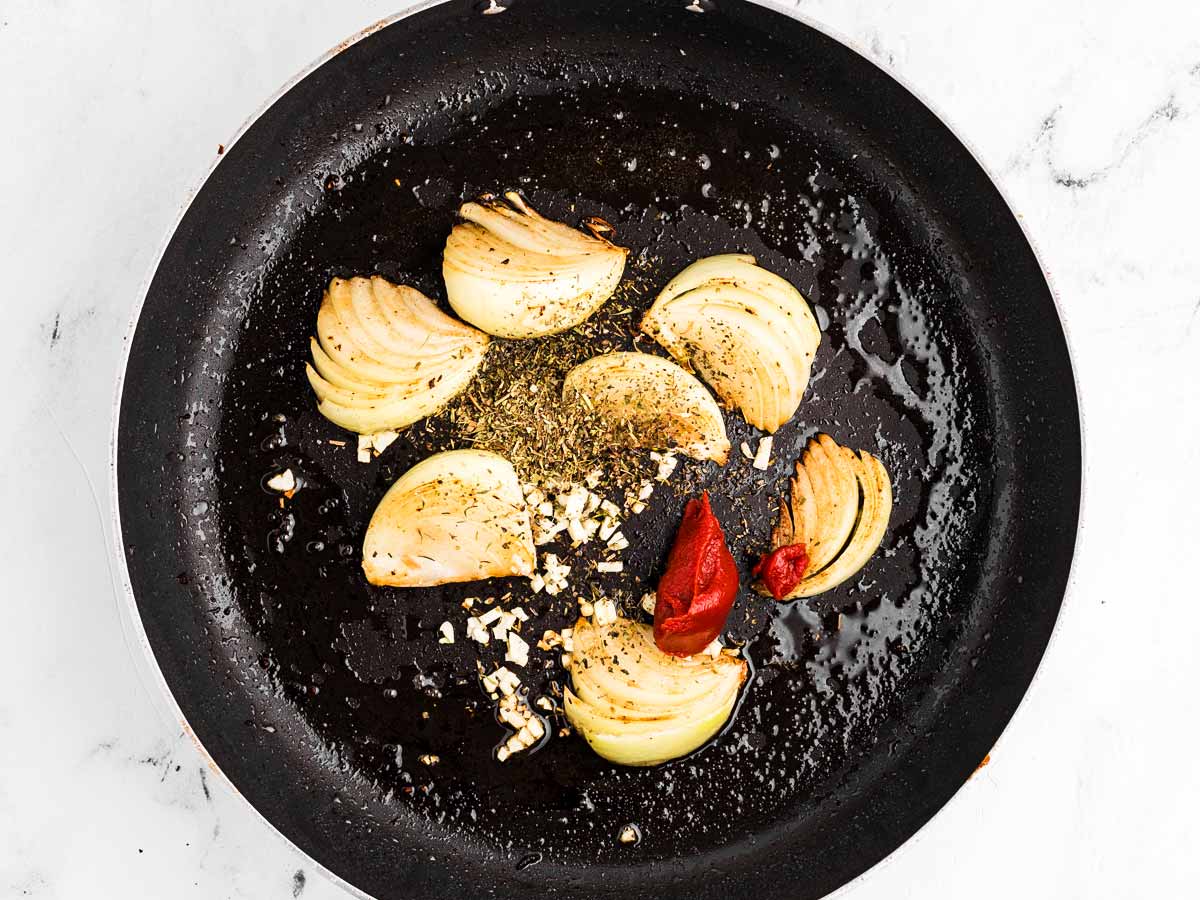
x=346 y=684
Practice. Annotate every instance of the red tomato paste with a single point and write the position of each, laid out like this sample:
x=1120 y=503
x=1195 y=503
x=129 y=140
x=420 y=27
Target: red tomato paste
x=782 y=570
x=697 y=591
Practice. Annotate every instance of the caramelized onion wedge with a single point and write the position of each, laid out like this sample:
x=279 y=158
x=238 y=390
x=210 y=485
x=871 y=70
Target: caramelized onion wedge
x=872 y=523
x=839 y=509
x=385 y=356
x=835 y=486
x=516 y=274
x=744 y=330
x=638 y=706
x=661 y=406
x=456 y=516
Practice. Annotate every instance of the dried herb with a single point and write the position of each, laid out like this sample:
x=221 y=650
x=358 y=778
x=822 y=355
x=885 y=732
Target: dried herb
x=515 y=406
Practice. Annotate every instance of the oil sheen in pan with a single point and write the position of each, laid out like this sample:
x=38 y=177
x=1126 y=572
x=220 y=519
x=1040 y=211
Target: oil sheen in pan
x=896 y=374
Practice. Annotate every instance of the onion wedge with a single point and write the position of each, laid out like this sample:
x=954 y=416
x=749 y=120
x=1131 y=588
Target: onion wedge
x=515 y=274
x=385 y=356
x=657 y=404
x=456 y=516
x=638 y=706
x=746 y=331
x=839 y=509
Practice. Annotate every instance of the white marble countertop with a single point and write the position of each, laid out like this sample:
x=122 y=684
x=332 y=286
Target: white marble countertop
x=1088 y=114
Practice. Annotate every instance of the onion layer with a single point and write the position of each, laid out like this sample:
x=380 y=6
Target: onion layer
x=839 y=509
x=638 y=706
x=516 y=274
x=385 y=356
x=455 y=516
x=653 y=402
x=744 y=330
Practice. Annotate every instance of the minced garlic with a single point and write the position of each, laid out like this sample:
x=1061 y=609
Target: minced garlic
x=762 y=458
x=605 y=612
x=284 y=482
x=371 y=445
x=518 y=650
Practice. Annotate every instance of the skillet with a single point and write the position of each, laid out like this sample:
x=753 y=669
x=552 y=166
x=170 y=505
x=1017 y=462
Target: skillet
x=694 y=128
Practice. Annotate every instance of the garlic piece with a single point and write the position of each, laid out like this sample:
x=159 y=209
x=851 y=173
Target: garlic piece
x=518 y=650
x=284 y=482
x=477 y=631
x=762 y=458
x=605 y=612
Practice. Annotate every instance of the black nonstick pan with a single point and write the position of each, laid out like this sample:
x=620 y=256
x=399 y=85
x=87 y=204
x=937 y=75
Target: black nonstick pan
x=693 y=128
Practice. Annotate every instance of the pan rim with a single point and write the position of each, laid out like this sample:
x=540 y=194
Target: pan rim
x=131 y=615
x=1069 y=589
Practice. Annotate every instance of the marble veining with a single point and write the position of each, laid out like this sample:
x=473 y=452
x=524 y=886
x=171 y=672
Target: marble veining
x=1086 y=113
x=1042 y=148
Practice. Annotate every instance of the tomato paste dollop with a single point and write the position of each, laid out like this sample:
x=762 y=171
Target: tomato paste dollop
x=697 y=591
x=782 y=570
